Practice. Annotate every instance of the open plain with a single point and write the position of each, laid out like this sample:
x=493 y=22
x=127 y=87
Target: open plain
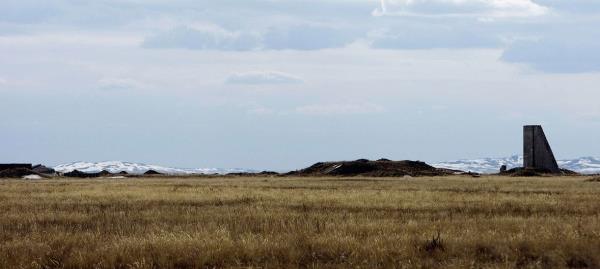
x=273 y=222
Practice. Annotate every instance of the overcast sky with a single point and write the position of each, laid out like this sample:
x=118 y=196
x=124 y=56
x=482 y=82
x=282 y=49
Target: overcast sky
x=280 y=84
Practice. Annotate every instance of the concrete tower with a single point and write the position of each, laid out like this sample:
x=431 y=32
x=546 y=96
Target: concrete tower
x=536 y=150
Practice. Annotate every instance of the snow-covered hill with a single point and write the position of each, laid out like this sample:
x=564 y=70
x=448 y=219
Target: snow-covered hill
x=585 y=165
x=138 y=168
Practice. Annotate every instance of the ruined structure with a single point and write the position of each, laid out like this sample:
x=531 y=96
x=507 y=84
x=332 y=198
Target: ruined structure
x=537 y=153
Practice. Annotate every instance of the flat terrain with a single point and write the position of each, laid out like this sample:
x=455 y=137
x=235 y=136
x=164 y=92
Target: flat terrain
x=487 y=222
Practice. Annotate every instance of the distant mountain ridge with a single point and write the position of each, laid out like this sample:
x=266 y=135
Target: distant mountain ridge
x=139 y=168
x=584 y=165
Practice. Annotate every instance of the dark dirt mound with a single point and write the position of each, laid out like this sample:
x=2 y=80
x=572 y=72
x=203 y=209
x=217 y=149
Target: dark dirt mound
x=524 y=172
x=268 y=173
x=123 y=173
x=240 y=174
x=152 y=172
x=568 y=172
x=79 y=174
x=17 y=173
x=251 y=174
x=363 y=167
x=535 y=172
x=6 y=166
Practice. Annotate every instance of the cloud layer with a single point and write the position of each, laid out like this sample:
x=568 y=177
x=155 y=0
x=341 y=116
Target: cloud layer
x=210 y=38
x=263 y=77
x=558 y=52
x=120 y=84
x=340 y=109
x=297 y=37
x=264 y=25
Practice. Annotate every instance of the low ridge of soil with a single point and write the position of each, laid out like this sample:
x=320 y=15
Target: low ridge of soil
x=79 y=174
x=18 y=173
x=152 y=172
x=536 y=172
x=379 y=168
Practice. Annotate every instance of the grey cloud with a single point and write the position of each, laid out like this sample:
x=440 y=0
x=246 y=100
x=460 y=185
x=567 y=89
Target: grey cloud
x=556 y=55
x=564 y=47
x=307 y=38
x=16 y=11
x=572 y=6
x=77 y=14
x=321 y=24
x=125 y=13
x=427 y=35
x=202 y=39
x=263 y=77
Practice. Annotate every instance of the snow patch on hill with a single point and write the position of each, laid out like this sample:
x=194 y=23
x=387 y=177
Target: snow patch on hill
x=584 y=165
x=139 y=168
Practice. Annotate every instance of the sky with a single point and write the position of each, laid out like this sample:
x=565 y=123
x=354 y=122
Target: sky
x=281 y=84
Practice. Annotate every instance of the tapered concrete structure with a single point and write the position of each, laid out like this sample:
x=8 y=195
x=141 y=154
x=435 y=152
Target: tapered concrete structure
x=536 y=150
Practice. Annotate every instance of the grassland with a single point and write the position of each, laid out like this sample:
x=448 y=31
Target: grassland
x=488 y=222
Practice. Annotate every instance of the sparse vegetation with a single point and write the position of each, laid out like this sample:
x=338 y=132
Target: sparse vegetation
x=264 y=222
x=594 y=179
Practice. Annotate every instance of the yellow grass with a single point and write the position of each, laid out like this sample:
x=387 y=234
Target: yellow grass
x=488 y=222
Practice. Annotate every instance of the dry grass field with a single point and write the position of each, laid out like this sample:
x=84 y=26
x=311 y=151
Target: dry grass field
x=449 y=222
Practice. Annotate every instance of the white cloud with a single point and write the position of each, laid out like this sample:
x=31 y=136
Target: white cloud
x=263 y=77
x=484 y=9
x=3 y=81
x=120 y=84
x=340 y=109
